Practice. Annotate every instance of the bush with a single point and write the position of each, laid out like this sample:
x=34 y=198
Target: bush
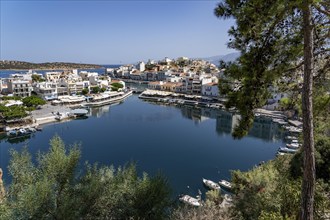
x=52 y=188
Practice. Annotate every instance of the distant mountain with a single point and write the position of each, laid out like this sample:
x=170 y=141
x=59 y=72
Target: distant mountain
x=228 y=57
x=13 y=64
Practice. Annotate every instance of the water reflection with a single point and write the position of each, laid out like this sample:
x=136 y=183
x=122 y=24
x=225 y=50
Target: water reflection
x=263 y=127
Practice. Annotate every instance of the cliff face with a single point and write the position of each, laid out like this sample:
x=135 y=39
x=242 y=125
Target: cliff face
x=11 y=64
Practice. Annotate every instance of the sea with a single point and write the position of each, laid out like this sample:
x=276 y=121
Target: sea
x=185 y=143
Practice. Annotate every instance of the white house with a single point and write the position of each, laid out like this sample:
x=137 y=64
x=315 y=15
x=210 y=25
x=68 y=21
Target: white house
x=52 y=76
x=141 y=66
x=210 y=89
x=46 y=90
x=22 y=88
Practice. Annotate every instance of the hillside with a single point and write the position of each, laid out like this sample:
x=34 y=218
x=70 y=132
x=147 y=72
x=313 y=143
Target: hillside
x=18 y=65
x=228 y=57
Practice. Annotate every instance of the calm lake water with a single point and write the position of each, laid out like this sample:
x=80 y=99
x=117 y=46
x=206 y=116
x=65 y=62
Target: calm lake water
x=185 y=143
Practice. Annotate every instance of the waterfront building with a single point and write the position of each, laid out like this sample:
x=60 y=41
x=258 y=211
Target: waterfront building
x=18 y=87
x=141 y=66
x=210 y=89
x=46 y=90
x=276 y=96
x=170 y=86
x=136 y=75
x=156 y=85
x=110 y=72
x=163 y=75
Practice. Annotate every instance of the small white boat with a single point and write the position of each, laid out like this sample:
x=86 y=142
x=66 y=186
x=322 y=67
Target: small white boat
x=225 y=184
x=287 y=150
x=291 y=138
x=190 y=200
x=210 y=184
x=293 y=145
x=228 y=198
x=280 y=153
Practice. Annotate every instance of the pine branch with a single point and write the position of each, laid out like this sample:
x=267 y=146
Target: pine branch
x=323 y=11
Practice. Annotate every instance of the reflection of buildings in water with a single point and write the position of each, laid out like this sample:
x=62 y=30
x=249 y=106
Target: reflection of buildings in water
x=99 y=111
x=262 y=127
x=195 y=114
x=226 y=122
x=265 y=128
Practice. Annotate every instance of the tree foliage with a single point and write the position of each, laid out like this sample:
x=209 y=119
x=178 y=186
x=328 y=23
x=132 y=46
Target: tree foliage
x=37 y=78
x=33 y=101
x=52 y=188
x=271 y=192
x=276 y=38
x=269 y=37
x=12 y=112
x=95 y=89
x=117 y=85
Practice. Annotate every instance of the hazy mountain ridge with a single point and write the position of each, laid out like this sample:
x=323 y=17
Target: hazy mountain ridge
x=228 y=57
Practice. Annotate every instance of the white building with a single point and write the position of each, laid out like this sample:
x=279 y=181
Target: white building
x=141 y=66
x=22 y=88
x=52 y=76
x=210 y=89
x=46 y=90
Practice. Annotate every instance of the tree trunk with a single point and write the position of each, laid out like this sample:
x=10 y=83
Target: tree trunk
x=308 y=184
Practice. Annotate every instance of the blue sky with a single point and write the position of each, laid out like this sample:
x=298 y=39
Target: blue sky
x=110 y=32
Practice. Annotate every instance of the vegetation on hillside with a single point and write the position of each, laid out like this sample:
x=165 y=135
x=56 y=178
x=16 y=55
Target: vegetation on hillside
x=54 y=187
x=7 y=65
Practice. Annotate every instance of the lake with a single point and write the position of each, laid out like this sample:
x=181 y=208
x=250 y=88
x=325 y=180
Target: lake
x=185 y=143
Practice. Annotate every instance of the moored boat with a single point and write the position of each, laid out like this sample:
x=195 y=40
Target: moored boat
x=225 y=184
x=210 y=184
x=190 y=200
x=287 y=150
x=293 y=145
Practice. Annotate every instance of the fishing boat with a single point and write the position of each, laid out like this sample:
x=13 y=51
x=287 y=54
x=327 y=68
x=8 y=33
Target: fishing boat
x=210 y=184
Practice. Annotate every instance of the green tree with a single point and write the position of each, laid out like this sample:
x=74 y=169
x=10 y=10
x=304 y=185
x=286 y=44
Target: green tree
x=95 y=89
x=33 y=101
x=12 y=112
x=37 y=78
x=85 y=91
x=275 y=39
x=117 y=85
x=54 y=188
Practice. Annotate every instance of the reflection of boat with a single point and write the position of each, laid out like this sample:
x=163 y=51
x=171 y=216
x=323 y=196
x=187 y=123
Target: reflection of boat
x=225 y=184
x=190 y=200
x=210 y=184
